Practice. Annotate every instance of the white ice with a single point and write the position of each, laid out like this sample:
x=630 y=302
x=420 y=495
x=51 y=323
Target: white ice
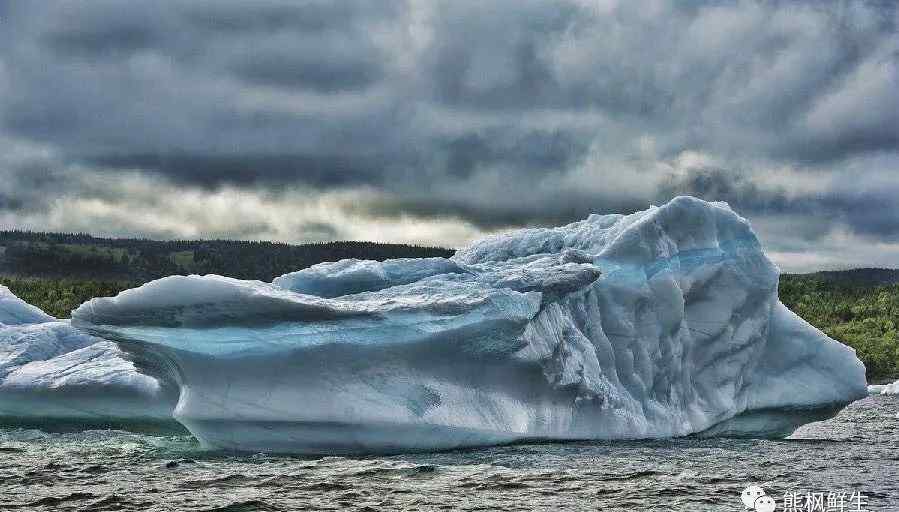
x=350 y=276
x=884 y=389
x=15 y=311
x=50 y=370
x=661 y=323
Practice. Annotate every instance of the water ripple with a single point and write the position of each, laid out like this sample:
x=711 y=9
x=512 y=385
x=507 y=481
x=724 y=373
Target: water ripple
x=115 y=470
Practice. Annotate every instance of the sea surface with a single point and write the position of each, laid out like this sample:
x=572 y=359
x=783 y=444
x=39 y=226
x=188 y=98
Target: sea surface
x=97 y=470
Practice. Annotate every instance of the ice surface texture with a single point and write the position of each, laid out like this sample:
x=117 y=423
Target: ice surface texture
x=661 y=323
x=50 y=370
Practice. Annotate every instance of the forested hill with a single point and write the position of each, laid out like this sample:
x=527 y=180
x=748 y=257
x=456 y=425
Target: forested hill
x=80 y=256
x=855 y=277
x=858 y=307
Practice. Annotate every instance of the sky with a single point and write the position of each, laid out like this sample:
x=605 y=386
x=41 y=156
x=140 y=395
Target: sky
x=436 y=122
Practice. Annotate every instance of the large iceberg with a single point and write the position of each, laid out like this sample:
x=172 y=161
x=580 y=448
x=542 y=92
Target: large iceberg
x=661 y=323
x=51 y=371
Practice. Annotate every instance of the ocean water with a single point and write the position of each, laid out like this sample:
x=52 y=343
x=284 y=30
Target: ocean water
x=97 y=470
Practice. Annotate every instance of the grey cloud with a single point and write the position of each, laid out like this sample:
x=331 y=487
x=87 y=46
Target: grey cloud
x=324 y=46
x=511 y=207
x=212 y=170
x=714 y=184
x=318 y=231
x=771 y=80
x=522 y=153
x=100 y=40
x=29 y=185
x=870 y=212
x=322 y=73
x=490 y=56
x=268 y=16
x=485 y=114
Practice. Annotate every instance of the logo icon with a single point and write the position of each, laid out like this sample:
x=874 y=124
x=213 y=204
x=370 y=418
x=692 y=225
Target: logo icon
x=754 y=498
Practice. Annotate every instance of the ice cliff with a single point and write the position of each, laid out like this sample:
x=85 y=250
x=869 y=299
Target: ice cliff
x=661 y=323
x=49 y=370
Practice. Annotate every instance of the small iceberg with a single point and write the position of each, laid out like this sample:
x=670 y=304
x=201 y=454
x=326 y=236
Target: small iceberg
x=52 y=371
x=884 y=389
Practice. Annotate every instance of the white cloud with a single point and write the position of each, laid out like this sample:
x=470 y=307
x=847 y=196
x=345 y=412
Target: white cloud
x=130 y=204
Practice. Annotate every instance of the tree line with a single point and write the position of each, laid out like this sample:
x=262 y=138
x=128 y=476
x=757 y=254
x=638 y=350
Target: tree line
x=81 y=256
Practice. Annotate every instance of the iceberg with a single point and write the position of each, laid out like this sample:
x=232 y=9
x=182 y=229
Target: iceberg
x=15 y=311
x=656 y=324
x=52 y=371
x=884 y=389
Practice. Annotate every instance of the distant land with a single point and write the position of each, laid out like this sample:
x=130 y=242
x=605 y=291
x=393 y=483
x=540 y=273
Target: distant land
x=81 y=256
x=59 y=271
x=856 y=276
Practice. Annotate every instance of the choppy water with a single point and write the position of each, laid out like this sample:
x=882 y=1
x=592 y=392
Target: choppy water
x=116 y=470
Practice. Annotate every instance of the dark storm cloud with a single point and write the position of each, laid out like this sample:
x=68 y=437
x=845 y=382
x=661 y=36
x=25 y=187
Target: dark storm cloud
x=714 y=184
x=489 y=55
x=869 y=211
x=213 y=170
x=324 y=46
x=293 y=71
x=524 y=153
x=268 y=16
x=102 y=40
x=507 y=210
x=488 y=114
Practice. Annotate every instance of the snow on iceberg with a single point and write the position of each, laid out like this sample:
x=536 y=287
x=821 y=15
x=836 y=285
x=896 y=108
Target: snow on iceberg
x=661 y=323
x=49 y=370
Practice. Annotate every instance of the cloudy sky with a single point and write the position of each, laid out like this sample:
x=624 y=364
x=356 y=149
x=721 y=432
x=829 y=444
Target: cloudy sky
x=435 y=122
